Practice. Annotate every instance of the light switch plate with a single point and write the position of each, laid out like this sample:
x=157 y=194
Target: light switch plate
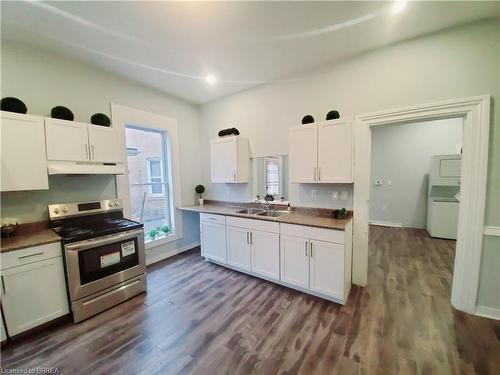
x=314 y=194
x=344 y=195
x=378 y=182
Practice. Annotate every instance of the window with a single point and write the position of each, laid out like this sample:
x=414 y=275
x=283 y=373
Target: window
x=273 y=175
x=155 y=176
x=149 y=183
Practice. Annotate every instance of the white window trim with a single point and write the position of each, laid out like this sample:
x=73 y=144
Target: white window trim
x=122 y=116
x=280 y=173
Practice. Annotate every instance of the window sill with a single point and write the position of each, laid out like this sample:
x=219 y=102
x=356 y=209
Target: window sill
x=161 y=241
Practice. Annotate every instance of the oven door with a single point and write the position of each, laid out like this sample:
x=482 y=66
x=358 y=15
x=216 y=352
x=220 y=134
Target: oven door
x=102 y=262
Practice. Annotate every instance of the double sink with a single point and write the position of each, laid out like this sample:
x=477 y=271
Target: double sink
x=261 y=212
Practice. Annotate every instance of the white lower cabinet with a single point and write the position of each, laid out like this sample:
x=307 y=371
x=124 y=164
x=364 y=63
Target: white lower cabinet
x=238 y=248
x=34 y=288
x=295 y=261
x=265 y=254
x=313 y=260
x=213 y=241
x=326 y=268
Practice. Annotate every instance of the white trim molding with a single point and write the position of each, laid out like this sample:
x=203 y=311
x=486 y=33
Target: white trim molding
x=123 y=116
x=492 y=231
x=475 y=113
x=488 y=312
x=385 y=224
x=152 y=259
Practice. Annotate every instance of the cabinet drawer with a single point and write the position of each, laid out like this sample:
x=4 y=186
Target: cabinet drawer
x=255 y=224
x=212 y=218
x=31 y=254
x=329 y=235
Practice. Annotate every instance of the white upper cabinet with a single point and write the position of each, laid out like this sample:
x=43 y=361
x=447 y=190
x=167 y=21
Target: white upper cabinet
x=322 y=152
x=335 y=151
x=105 y=145
x=67 y=140
x=80 y=148
x=229 y=159
x=23 y=155
x=303 y=153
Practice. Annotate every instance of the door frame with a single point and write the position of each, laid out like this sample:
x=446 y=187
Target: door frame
x=475 y=112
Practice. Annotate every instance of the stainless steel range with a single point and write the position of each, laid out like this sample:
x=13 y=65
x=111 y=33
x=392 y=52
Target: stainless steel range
x=104 y=254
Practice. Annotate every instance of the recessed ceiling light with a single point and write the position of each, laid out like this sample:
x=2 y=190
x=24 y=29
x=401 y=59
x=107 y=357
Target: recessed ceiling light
x=398 y=7
x=211 y=80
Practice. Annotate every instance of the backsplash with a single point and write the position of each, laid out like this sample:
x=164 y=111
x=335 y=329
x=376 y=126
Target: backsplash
x=31 y=206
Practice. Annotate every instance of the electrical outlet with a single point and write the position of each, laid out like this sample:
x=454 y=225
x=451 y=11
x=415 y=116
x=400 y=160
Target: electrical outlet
x=344 y=195
x=384 y=207
x=389 y=182
x=335 y=195
x=378 y=182
x=314 y=194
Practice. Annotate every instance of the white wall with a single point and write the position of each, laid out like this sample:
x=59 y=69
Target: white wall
x=401 y=154
x=456 y=63
x=43 y=80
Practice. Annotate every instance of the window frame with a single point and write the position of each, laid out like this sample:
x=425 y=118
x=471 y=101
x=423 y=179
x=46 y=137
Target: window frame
x=150 y=177
x=279 y=160
x=125 y=116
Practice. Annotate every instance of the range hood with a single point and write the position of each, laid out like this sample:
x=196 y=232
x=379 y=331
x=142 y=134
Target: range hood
x=79 y=168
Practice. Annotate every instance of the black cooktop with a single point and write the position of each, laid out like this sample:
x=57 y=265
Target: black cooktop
x=84 y=228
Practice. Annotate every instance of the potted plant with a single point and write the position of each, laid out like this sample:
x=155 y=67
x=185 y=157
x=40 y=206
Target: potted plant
x=200 y=189
x=340 y=214
x=153 y=233
x=165 y=229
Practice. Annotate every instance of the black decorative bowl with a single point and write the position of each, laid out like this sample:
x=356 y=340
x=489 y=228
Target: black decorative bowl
x=307 y=119
x=229 y=131
x=62 y=113
x=10 y=104
x=100 y=119
x=332 y=115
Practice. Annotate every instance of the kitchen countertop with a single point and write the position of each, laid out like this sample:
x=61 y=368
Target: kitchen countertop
x=313 y=217
x=28 y=235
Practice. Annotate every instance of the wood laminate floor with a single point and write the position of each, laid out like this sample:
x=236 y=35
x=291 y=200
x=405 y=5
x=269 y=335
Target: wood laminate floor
x=204 y=319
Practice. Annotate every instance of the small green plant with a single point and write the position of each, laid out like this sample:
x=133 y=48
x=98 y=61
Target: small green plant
x=153 y=233
x=200 y=189
x=164 y=228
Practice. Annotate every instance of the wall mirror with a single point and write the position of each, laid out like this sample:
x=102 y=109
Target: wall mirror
x=270 y=176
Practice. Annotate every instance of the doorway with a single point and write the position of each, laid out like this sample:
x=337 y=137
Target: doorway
x=475 y=113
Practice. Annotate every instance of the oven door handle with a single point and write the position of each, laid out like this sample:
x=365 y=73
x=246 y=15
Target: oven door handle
x=104 y=240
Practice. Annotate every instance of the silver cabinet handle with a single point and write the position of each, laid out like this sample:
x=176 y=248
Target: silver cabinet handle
x=251 y=238
x=87 y=157
x=3 y=286
x=311 y=252
x=93 y=152
x=314 y=173
x=234 y=176
x=30 y=255
x=305 y=247
x=248 y=241
x=319 y=173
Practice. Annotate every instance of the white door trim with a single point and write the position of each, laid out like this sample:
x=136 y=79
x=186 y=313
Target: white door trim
x=475 y=112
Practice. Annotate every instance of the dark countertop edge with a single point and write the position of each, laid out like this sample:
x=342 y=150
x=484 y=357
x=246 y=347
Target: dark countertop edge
x=282 y=219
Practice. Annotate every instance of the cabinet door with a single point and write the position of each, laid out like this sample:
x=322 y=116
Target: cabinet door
x=223 y=157
x=23 y=156
x=213 y=241
x=335 y=152
x=303 y=153
x=294 y=253
x=66 y=140
x=327 y=268
x=33 y=294
x=105 y=145
x=265 y=248
x=238 y=248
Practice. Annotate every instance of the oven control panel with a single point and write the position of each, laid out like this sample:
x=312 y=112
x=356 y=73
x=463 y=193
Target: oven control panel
x=58 y=211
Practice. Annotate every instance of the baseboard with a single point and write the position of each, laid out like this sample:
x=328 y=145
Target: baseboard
x=385 y=224
x=488 y=312
x=492 y=231
x=170 y=253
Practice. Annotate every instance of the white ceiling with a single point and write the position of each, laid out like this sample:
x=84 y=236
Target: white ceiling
x=172 y=46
